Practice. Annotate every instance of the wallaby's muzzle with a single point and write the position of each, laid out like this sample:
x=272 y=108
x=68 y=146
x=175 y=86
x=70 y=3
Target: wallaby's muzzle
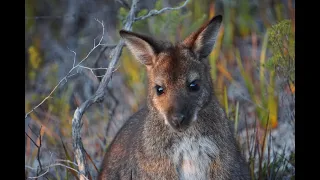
x=177 y=120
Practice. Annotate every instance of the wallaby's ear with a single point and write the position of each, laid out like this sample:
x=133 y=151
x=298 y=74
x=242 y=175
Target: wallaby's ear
x=203 y=40
x=140 y=46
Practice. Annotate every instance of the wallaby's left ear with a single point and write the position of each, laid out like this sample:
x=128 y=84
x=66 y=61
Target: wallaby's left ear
x=203 y=40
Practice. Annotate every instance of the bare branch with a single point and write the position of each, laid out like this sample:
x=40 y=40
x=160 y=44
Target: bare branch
x=38 y=146
x=56 y=163
x=32 y=130
x=38 y=175
x=68 y=161
x=31 y=140
x=74 y=58
x=71 y=70
x=79 y=151
x=85 y=67
x=156 y=12
x=48 y=168
x=40 y=171
x=71 y=76
x=94 y=165
x=38 y=153
x=93 y=69
x=108 y=45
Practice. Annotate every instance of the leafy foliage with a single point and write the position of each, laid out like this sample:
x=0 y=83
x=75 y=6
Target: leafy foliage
x=282 y=43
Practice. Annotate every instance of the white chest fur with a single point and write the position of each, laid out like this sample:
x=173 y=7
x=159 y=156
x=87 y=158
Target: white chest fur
x=193 y=156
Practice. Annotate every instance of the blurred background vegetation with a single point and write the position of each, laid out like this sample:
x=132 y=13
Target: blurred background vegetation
x=253 y=70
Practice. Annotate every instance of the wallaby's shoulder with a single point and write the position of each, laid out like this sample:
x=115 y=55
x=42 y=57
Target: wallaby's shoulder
x=131 y=128
x=118 y=159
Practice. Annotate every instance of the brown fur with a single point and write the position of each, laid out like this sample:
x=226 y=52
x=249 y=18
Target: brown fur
x=153 y=144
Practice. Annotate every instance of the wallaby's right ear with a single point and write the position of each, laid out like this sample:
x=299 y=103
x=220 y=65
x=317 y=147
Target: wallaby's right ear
x=140 y=46
x=203 y=40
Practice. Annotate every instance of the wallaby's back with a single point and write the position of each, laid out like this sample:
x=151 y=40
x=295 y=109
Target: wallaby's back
x=183 y=132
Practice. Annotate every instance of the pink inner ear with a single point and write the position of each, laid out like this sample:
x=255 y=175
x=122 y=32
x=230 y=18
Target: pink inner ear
x=142 y=51
x=191 y=39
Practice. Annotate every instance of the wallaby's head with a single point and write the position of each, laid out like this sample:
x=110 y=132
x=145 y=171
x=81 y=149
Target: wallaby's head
x=179 y=75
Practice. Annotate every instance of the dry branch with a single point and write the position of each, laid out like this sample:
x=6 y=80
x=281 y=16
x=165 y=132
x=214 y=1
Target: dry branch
x=157 y=12
x=38 y=146
x=48 y=168
x=74 y=67
x=97 y=97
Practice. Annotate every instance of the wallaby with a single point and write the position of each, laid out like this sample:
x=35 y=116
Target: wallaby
x=182 y=132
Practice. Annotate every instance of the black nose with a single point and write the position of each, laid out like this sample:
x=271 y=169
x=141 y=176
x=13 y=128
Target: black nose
x=178 y=119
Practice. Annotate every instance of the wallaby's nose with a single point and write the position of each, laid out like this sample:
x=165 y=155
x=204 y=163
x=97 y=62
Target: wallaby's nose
x=177 y=119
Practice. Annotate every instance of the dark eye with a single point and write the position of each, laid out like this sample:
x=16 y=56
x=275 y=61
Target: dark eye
x=194 y=86
x=159 y=90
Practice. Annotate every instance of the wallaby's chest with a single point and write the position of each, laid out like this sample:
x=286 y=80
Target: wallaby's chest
x=193 y=157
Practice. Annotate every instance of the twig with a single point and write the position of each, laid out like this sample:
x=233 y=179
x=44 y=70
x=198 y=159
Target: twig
x=106 y=46
x=32 y=130
x=31 y=139
x=38 y=146
x=37 y=170
x=49 y=166
x=93 y=69
x=40 y=175
x=94 y=165
x=68 y=161
x=74 y=57
x=38 y=154
x=156 y=12
x=95 y=62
